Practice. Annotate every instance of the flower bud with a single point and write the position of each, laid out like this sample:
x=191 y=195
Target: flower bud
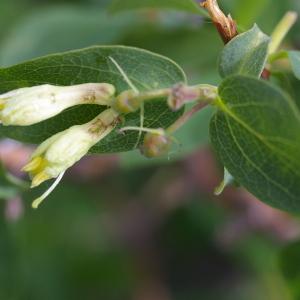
x=58 y=153
x=27 y=106
x=156 y=144
x=127 y=102
x=180 y=95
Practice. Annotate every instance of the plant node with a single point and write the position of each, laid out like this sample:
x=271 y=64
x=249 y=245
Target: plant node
x=225 y=25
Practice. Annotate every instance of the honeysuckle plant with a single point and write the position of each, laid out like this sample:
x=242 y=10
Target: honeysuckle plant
x=110 y=99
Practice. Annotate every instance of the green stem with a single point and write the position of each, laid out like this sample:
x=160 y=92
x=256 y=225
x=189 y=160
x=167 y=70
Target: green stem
x=144 y=96
x=17 y=181
x=142 y=129
x=178 y=95
x=186 y=117
x=207 y=92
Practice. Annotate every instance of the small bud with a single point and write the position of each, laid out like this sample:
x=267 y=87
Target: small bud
x=180 y=95
x=156 y=144
x=58 y=153
x=27 y=106
x=127 y=102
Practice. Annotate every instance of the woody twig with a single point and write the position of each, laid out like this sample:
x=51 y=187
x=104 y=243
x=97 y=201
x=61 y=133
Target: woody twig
x=225 y=25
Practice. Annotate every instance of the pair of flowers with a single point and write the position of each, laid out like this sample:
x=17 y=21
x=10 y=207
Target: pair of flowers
x=27 y=106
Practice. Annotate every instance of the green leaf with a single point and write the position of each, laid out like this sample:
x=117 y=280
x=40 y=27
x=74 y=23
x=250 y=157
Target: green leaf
x=256 y=135
x=186 y=5
x=289 y=83
x=146 y=70
x=246 y=54
x=183 y=45
x=192 y=136
x=294 y=57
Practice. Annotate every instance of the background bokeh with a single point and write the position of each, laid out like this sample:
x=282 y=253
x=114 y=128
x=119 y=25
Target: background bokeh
x=124 y=227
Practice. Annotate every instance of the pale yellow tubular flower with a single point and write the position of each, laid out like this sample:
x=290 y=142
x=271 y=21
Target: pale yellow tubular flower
x=27 y=106
x=58 y=153
x=1 y=104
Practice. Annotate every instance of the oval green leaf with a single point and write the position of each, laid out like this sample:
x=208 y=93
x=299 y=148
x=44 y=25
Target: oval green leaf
x=146 y=70
x=256 y=133
x=246 y=54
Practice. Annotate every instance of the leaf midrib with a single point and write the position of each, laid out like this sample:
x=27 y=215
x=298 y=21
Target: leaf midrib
x=256 y=44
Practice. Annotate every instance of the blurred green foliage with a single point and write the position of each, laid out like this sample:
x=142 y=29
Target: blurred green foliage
x=288 y=261
x=105 y=239
x=77 y=247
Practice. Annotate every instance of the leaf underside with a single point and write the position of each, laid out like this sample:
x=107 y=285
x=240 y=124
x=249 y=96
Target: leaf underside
x=256 y=135
x=146 y=70
x=246 y=54
x=294 y=57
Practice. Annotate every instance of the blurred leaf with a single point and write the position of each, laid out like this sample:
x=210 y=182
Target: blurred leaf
x=9 y=185
x=294 y=57
x=256 y=134
x=8 y=192
x=186 y=5
x=10 y=12
x=288 y=257
x=195 y=49
x=289 y=83
x=289 y=264
x=145 y=69
x=247 y=12
x=60 y=29
x=87 y=26
x=246 y=54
